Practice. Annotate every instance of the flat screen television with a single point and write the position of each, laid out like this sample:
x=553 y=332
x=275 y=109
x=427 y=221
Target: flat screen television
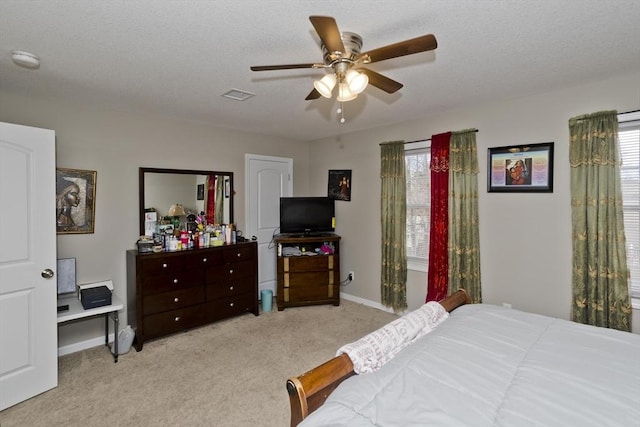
x=307 y=215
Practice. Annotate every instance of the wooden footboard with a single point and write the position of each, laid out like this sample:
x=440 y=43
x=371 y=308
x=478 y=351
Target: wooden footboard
x=309 y=391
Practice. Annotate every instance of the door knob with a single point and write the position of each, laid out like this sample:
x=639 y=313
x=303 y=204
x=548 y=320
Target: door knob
x=47 y=274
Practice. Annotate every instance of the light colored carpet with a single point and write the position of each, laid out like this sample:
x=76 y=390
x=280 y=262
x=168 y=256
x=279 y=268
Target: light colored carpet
x=229 y=373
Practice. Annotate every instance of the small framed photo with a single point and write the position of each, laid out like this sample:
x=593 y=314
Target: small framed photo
x=339 y=187
x=66 y=275
x=520 y=169
x=200 y=192
x=75 y=201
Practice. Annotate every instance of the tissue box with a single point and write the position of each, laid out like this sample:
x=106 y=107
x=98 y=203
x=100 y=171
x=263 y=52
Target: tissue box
x=95 y=297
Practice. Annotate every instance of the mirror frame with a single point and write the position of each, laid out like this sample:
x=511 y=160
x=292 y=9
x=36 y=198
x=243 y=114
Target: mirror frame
x=142 y=171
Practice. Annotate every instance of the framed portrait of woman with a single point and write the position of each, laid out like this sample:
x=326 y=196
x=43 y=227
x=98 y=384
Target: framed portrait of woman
x=75 y=201
x=521 y=168
x=339 y=187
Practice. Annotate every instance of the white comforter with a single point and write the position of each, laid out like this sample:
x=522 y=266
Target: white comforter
x=490 y=366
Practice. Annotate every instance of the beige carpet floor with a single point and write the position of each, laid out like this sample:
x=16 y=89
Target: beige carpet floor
x=230 y=373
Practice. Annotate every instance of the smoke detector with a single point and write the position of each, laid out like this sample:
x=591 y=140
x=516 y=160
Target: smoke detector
x=25 y=59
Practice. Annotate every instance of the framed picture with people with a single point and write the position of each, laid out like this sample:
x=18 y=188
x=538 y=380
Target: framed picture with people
x=75 y=201
x=339 y=187
x=521 y=168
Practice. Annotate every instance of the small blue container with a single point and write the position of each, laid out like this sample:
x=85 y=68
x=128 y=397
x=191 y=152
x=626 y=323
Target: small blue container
x=266 y=297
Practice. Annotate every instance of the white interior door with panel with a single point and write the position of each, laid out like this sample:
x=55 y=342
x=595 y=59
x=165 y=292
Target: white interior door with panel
x=28 y=327
x=268 y=178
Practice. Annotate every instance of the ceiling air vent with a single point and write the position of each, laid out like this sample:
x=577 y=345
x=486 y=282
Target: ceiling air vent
x=238 y=95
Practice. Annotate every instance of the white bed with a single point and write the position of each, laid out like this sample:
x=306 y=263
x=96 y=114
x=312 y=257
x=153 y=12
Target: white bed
x=491 y=366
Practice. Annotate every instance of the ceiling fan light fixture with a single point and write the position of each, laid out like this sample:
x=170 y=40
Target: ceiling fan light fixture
x=325 y=85
x=344 y=94
x=357 y=81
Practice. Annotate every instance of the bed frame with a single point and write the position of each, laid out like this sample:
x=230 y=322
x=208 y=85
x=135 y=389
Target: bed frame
x=309 y=391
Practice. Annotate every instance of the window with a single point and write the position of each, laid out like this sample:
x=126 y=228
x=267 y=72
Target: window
x=417 y=161
x=629 y=140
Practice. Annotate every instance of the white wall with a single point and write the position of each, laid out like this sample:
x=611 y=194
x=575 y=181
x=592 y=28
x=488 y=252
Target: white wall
x=534 y=273
x=115 y=145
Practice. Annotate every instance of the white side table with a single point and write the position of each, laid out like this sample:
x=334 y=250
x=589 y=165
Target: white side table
x=76 y=311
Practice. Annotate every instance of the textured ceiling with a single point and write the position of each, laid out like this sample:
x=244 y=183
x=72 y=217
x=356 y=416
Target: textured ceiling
x=176 y=58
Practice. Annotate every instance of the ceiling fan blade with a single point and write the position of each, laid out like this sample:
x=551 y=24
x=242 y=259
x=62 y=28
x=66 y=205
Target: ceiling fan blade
x=381 y=82
x=314 y=94
x=327 y=29
x=407 y=47
x=284 y=67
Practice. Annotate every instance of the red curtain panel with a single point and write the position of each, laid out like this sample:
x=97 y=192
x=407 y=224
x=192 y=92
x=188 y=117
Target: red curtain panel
x=438 y=273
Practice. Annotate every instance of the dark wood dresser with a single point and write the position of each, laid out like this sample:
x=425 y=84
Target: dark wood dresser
x=170 y=292
x=309 y=277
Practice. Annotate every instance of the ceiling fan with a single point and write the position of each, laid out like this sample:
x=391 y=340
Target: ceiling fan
x=343 y=61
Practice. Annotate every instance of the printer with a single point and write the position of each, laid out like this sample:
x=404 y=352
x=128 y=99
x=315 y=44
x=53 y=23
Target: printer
x=94 y=295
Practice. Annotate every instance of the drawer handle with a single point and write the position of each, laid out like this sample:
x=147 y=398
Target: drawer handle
x=231 y=271
x=175 y=280
x=177 y=319
x=204 y=260
x=230 y=288
x=238 y=255
x=164 y=265
x=176 y=299
x=231 y=305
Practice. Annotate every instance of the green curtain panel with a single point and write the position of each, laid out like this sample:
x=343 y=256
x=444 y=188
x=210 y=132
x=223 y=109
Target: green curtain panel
x=393 y=204
x=600 y=273
x=464 y=235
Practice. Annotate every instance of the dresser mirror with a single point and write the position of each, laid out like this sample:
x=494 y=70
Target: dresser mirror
x=194 y=190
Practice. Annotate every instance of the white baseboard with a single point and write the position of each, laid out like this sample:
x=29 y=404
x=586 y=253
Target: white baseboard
x=83 y=345
x=366 y=302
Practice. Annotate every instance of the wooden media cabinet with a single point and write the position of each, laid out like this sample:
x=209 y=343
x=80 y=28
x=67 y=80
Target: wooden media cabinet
x=306 y=274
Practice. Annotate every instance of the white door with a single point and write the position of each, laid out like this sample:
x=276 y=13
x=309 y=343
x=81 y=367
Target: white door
x=268 y=178
x=28 y=328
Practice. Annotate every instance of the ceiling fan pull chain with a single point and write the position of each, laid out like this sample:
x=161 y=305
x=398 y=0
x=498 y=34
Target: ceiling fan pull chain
x=341 y=112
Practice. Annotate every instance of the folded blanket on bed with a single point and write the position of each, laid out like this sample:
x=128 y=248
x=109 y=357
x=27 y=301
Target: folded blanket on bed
x=372 y=351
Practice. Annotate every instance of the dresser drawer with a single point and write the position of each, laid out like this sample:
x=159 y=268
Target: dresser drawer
x=162 y=265
x=166 y=301
x=311 y=292
x=156 y=325
x=308 y=278
x=206 y=257
x=227 y=307
x=308 y=263
x=172 y=281
x=229 y=272
x=218 y=290
x=238 y=253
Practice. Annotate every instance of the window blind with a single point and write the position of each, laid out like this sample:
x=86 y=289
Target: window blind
x=418 y=202
x=629 y=143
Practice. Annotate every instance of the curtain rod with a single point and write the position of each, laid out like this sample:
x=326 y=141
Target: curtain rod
x=476 y=130
x=428 y=139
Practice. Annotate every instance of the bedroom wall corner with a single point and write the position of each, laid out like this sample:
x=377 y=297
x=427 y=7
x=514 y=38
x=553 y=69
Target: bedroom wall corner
x=116 y=144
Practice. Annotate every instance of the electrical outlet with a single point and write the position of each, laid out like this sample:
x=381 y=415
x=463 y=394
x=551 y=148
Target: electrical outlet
x=352 y=276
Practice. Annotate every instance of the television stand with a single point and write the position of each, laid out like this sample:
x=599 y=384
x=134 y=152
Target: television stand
x=313 y=276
